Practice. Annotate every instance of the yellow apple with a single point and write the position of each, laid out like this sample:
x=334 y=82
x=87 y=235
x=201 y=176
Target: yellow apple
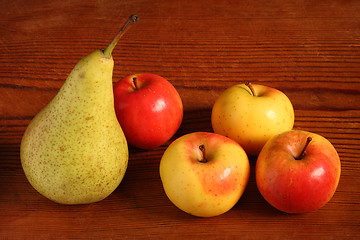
x=251 y=114
x=204 y=174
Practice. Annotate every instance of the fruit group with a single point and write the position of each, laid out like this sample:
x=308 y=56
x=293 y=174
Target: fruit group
x=204 y=174
x=251 y=114
x=148 y=108
x=74 y=151
x=298 y=171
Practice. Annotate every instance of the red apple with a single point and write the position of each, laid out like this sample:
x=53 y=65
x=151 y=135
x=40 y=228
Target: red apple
x=298 y=171
x=148 y=108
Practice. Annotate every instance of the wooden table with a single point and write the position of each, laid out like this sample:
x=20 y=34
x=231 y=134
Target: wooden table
x=308 y=49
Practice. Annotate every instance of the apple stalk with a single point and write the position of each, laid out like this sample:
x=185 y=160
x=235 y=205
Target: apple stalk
x=302 y=153
x=250 y=86
x=203 y=158
x=132 y=19
x=135 y=83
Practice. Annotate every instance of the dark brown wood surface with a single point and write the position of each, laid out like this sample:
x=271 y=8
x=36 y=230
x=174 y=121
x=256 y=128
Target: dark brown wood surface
x=309 y=49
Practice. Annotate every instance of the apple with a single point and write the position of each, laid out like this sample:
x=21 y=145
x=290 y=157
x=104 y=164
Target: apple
x=204 y=174
x=251 y=114
x=297 y=171
x=148 y=108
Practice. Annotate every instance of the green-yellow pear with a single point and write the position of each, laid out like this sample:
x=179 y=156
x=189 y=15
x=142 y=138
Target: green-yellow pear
x=74 y=150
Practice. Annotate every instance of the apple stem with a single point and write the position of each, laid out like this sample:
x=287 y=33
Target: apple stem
x=124 y=28
x=302 y=154
x=202 y=149
x=135 y=82
x=249 y=85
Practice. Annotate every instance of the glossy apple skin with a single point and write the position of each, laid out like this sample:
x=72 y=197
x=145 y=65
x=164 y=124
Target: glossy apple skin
x=252 y=120
x=297 y=186
x=204 y=189
x=149 y=114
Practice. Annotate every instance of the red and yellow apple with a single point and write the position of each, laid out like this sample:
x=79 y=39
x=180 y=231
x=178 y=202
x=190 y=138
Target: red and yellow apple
x=204 y=174
x=251 y=114
x=148 y=108
x=297 y=171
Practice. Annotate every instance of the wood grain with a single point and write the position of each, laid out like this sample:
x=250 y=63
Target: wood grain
x=308 y=49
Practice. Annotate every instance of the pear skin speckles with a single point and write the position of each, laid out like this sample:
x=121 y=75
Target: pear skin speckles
x=74 y=150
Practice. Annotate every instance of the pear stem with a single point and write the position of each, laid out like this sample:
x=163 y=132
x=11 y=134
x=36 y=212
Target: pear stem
x=202 y=149
x=249 y=85
x=302 y=154
x=132 y=19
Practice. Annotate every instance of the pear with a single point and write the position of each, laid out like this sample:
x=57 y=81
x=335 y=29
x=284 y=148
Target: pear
x=74 y=150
